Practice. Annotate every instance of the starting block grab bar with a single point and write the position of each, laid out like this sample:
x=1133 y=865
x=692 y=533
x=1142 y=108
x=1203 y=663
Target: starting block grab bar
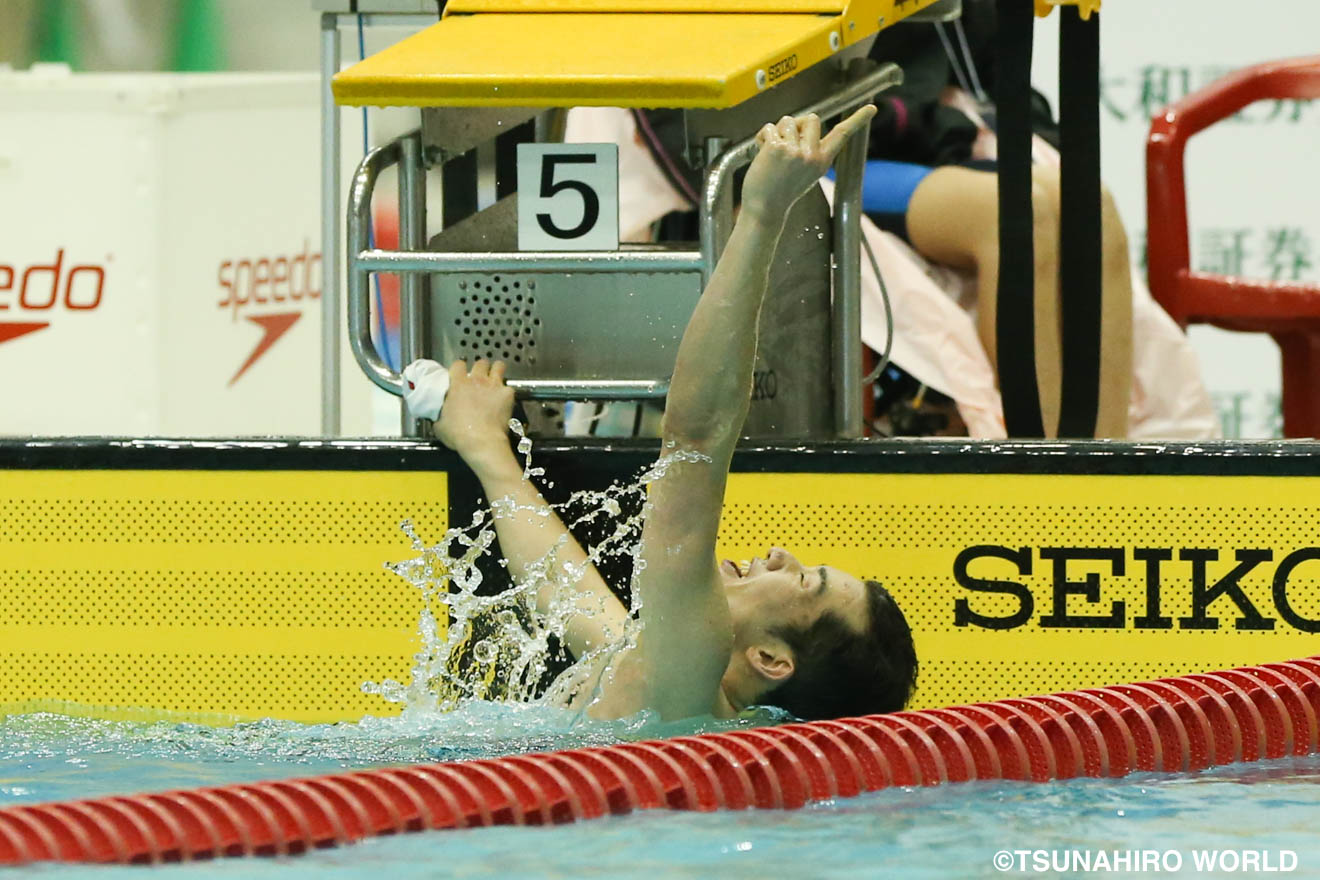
x=715 y=222
x=364 y=260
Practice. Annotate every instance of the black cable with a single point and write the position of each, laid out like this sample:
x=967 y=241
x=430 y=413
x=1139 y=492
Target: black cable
x=1015 y=319
x=889 y=317
x=1080 y=256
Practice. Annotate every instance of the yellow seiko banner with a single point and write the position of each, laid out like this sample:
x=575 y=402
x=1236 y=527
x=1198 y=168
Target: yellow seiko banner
x=251 y=592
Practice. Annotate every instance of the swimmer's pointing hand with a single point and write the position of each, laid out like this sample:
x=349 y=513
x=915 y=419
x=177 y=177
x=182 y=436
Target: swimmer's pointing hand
x=792 y=158
x=475 y=419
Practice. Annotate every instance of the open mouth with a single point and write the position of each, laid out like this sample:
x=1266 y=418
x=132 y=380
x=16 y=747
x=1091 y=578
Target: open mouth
x=732 y=567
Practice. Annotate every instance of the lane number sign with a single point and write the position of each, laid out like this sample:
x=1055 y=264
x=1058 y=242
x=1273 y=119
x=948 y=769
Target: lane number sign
x=568 y=197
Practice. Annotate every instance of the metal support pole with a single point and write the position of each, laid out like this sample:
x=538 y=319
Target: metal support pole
x=846 y=309
x=330 y=229
x=413 y=323
x=716 y=216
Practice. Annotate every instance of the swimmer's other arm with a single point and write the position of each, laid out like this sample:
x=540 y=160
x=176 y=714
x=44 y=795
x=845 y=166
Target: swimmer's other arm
x=686 y=636
x=474 y=423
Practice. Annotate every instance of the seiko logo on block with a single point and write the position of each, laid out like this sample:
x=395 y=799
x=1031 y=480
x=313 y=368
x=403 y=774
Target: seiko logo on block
x=782 y=68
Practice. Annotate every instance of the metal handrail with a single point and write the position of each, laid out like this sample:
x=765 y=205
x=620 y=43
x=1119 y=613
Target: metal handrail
x=719 y=173
x=845 y=309
x=530 y=261
x=846 y=304
x=362 y=260
x=358 y=281
x=592 y=389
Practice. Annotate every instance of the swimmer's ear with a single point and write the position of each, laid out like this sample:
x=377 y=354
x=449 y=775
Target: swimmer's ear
x=772 y=661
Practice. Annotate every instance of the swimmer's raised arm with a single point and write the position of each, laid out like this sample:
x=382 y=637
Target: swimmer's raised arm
x=686 y=626
x=474 y=423
x=711 y=388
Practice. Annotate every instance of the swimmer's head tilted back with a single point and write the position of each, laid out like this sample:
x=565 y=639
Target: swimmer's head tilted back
x=815 y=640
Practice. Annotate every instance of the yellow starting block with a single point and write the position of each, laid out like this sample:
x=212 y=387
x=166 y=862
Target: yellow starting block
x=1084 y=7
x=619 y=53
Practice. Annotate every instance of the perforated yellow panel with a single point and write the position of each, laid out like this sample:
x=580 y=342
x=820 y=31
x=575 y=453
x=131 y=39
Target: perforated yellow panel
x=251 y=594
x=248 y=594
x=908 y=531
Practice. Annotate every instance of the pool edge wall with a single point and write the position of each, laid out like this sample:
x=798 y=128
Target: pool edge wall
x=236 y=579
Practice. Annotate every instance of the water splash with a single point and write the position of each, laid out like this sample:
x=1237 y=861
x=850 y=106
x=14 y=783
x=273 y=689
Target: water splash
x=474 y=688
x=499 y=647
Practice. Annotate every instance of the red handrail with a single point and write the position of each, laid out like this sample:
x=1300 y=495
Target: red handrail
x=1288 y=311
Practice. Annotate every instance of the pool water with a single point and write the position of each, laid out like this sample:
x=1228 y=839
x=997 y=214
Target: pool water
x=943 y=831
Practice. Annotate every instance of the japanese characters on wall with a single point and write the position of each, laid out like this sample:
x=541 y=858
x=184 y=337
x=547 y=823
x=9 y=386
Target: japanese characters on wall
x=1252 y=179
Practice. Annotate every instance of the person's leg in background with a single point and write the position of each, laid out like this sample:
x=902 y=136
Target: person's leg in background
x=1115 y=302
x=1116 y=357
x=953 y=218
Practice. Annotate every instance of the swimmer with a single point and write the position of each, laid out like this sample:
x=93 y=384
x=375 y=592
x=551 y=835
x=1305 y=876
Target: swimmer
x=715 y=637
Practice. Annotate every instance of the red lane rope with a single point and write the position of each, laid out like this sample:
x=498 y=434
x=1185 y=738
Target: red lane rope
x=1186 y=723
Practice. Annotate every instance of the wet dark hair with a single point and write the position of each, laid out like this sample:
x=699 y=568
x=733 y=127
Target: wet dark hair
x=840 y=673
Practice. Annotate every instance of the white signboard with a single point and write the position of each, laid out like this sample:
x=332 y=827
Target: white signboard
x=568 y=197
x=172 y=283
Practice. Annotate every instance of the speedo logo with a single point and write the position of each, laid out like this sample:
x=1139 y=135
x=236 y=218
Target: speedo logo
x=32 y=295
x=268 y=291
x=1080 y=596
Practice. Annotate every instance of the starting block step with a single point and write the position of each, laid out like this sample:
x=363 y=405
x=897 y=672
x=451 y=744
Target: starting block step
x=616 y=53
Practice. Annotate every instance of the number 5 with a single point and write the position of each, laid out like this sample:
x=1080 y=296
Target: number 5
x=590 y=201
